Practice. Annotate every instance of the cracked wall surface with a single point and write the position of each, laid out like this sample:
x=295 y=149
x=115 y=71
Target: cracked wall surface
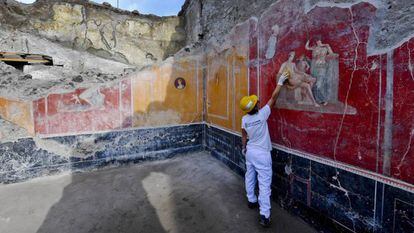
x=349 y=155
x=323 y=152
x=384 y=34
x=363 y=124
x=213 y=19
x=101 y=30
x=151 y=97
x=361 y=51
x=89 y=91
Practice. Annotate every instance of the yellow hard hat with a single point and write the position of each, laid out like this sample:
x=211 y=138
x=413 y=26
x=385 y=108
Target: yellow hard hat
x=247 y=103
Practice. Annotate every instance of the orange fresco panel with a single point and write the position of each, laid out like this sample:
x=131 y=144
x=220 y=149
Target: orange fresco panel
x=17 y=112
x=241 y=88
x=227 y=83
x=141 y=94
x=184 y=100
x=157 y=101
x=218 y=88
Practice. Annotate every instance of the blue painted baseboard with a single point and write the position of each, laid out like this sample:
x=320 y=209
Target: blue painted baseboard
x=29 y=158
x=331 y=199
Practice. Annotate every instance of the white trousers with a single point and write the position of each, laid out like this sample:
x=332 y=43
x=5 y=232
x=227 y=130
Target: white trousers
x=259 y=167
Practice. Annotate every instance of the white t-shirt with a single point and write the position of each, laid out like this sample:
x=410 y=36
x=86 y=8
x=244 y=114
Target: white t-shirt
x=257 y=129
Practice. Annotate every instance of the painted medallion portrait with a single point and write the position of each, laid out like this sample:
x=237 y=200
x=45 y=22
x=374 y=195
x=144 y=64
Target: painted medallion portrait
x=180 y=83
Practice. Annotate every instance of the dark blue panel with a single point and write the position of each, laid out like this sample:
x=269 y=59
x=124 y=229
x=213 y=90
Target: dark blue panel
x=398 y=210
x=281 y=182
x=280 y=160
x=301 y=167
x=228 y=163
x=23 y=159
x=221 y=143
x=299 y=191
x=239 y=158
x=345 y=197
x=339 y=201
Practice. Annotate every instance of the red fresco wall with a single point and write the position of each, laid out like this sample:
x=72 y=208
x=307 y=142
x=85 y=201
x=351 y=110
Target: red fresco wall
x=403 y=130
x=105 y=108
x=355 y=138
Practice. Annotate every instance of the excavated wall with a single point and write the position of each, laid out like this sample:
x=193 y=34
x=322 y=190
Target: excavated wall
x=102 y=30
x=114 y=98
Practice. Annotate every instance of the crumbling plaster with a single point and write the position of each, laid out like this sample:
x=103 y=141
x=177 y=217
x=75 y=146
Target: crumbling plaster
x=108 y=32
x=215 y=18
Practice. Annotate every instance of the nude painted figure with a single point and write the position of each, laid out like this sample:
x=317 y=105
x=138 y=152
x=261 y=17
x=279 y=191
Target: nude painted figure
x=321 y=53
x=297 y=78
x=272 y=43
x=303 y=67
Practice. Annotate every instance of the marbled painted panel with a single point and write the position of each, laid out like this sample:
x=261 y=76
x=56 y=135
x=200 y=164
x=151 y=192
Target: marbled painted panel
x=345 y=197
x=332 y=199
x=220 y=143
x=32 y=157
x=398 y=210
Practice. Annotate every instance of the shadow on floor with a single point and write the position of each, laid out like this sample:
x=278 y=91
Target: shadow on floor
x=192 y=193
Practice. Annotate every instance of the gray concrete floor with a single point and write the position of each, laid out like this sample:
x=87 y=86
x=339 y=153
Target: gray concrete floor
x=191 y=193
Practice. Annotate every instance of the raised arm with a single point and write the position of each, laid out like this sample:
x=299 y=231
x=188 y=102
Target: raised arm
x=329 y=49
x=282 y=67
x=307 y=47
x=276 y=92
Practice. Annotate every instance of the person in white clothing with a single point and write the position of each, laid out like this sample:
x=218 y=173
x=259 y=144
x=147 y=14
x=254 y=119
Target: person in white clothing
x=256 y=147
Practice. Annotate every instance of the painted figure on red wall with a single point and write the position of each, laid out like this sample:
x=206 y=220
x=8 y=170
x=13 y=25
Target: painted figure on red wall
x=272 y=42
x=299 y=81
x=303 y=67
x=325 y=68
x=86 y=100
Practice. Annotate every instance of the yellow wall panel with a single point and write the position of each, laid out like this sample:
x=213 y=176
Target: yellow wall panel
x=227 y=83
x=158 y=102
x=142 y=87
x=240 y=72
x=218 y=88
x=185 y=101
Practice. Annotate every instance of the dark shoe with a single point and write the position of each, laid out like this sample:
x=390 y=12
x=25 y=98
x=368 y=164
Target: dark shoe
x=252 y=205
x=265 y=222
